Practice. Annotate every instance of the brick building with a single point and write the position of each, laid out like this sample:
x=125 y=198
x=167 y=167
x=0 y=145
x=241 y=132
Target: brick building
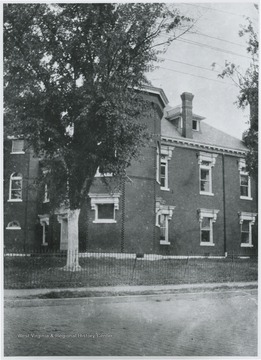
x=189 y=193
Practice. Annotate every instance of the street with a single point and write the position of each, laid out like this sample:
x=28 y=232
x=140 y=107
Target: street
x=222 y=323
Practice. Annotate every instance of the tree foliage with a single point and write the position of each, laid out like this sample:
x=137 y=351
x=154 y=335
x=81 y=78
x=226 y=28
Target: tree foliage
x=70 y=72
x=248 y=93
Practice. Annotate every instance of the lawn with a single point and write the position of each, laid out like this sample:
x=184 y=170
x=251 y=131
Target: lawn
x=46 y=271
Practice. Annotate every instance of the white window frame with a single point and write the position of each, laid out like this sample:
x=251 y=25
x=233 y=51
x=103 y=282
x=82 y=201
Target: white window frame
x=197 y=125
x=98 y=174
x=211 y=160
x=13 y=150
x=10 y=225
x=15 y=178
x=158 y=163
x=251 y=218
x=243 y=172
x=46 y=194
x=167 y=212
x=166 y=155
x=44 y=220
x=212 y=215
x=97 y=199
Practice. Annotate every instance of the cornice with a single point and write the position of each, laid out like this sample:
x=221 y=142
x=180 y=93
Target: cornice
x=196 y=145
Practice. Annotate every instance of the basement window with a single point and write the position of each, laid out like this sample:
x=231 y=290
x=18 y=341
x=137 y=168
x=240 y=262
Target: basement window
x=14 y=225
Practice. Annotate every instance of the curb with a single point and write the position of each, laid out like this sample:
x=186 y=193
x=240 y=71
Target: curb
x=96 y=292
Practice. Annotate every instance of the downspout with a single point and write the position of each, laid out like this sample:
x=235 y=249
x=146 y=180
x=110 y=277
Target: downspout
x=26 y=200
x=224 y=205
x=123 y=217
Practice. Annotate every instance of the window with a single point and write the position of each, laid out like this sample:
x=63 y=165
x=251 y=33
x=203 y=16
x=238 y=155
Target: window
x=195 y=125
x=44 y=221
x=98 y=174
x=15 y=191
x=163 y=216
x=13 y=225
x=206 y=161
x=244 y=179
x=163 y=222
x=46 y=194
x=105 y=206
x=166 y=155
x=246 y=221
x=206 y=219
x=158 y=163
x=163 y=173
x=17 y=146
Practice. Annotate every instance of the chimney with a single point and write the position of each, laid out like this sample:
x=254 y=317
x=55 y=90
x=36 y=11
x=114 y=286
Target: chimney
x=187 y=114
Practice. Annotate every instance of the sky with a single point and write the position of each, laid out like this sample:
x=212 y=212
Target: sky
x=214 y=35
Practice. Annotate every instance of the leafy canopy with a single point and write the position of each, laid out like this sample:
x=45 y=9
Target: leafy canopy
x=248 y=93
x=70 y=72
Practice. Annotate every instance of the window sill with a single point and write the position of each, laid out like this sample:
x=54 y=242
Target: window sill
x=206 y=244
x=164 y=189
x=17 y=152
x=247 y=245
x=206 y=193
x=104 y=221
x=14 y=200
x=13 y=228
x=245 y=198
x=163 y=242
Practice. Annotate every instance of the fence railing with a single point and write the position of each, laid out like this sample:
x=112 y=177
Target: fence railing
x=47 y=269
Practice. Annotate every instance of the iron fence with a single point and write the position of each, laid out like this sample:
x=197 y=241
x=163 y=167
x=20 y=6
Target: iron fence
x=47 y=269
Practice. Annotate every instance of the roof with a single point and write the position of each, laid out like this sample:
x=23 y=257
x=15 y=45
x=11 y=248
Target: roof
x=207 y=135
x=172 y=112
x=158 y=91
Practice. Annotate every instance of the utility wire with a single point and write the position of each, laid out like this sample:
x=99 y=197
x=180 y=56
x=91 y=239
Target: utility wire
x=213 y=9
x=184 y=63
x=216 y=38
x=211 y=47
x=202 y=77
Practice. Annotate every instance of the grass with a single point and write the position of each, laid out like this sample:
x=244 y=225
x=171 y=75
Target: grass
x=47 y=271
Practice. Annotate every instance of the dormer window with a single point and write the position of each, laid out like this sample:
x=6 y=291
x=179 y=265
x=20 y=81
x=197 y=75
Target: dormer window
x=195 y=125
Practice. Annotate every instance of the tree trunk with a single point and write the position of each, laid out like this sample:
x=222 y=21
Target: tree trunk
x=73 y=241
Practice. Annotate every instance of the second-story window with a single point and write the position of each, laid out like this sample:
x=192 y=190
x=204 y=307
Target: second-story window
x=15 y=188
x=206 y=162
x=17 y=146
x=166 y=155
x=164 y=173
x=245 y=182
x=46 y=198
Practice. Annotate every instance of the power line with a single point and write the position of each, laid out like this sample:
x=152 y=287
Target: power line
x=208 y=46
x=216 y=38
x=211 y=47
x=213 y=9
x=202 y=77
x=209 y=36
x=184 y=63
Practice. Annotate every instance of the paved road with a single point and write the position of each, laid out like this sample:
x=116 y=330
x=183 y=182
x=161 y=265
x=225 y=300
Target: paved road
x=220 y=323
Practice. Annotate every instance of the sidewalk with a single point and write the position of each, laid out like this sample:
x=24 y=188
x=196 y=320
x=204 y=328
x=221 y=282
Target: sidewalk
x=123 y=290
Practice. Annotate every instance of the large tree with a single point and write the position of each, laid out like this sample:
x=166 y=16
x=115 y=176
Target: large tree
x=71 y=77
x=248 y=92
